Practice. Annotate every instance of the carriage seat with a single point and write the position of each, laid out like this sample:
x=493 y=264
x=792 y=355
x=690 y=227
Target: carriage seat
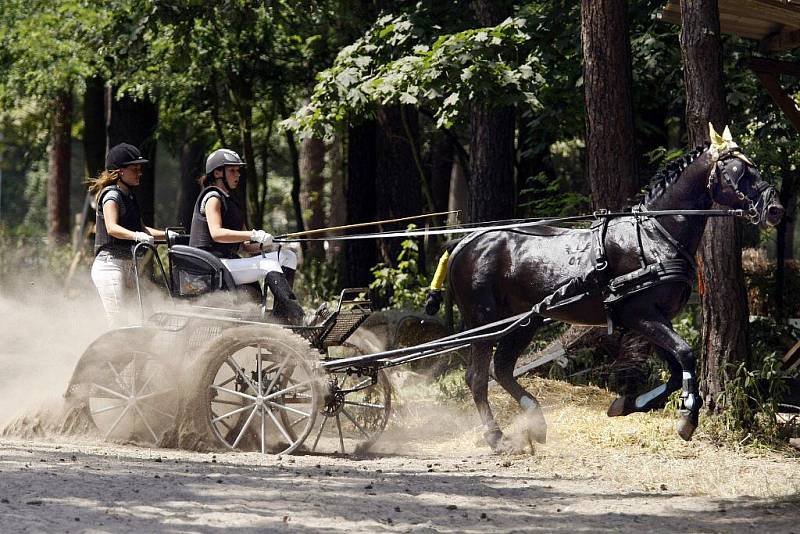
x=195 y=272
x=176 y=236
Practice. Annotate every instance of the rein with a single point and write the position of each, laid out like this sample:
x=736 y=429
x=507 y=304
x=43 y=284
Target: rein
x=600 y=214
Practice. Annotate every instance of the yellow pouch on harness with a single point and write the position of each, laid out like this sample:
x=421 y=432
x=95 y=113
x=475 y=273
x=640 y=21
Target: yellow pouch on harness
x=441 y=272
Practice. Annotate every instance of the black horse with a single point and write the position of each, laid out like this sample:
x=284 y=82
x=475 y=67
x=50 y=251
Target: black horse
x=635 y=272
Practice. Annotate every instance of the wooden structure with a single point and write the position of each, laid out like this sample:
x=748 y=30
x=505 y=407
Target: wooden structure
x=775 y=24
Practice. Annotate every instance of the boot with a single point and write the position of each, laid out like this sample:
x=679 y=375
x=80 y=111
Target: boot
x=286 y=305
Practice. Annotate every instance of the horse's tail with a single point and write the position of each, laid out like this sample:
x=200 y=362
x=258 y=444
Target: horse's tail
x=436 y=289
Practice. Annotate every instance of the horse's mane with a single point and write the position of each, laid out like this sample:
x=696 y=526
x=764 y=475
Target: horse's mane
x=670 y=174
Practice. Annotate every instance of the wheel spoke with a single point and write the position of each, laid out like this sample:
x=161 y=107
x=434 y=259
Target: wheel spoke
x=278 y=373
x=288 y=409
x=238 y=370
x=233 y=392
x=225 y=401
x=341 y=436
x=108 y=408
x=121 y=415
x=319 y=433
x=278 y=424
x=155 y=394
x=286 y=390
x=117 y=378
x=234 y=412
x=160 y=412
x=259 y=391
x=144 y=420
x=263 y=431
x=223 y=423
x=111 y=391
x=359 y=427
x=366 y=405
x=133 y=375
x=298 y=420
x=146 y=383
x=244 y=427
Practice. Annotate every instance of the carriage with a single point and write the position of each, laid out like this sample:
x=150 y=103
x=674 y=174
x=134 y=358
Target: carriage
x=237 y=380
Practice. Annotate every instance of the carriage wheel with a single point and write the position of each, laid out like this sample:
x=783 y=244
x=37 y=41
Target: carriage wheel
x=353 y=422
x=132 y=397
x=257 y=389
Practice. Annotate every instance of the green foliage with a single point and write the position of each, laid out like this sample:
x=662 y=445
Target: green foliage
x=395 y=62
x=318 y=283
x=402 y=286
x=451 y=387
x=551 y=198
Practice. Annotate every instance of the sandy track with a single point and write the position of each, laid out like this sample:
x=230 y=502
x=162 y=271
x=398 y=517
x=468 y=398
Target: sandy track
x=77 y=487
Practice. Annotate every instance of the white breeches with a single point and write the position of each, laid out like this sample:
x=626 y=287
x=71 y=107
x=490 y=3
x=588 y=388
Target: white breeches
x=113 y=279
x=248 y=270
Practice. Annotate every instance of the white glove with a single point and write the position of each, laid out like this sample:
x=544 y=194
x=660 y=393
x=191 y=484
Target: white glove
x=143 y=237
x=260 y=236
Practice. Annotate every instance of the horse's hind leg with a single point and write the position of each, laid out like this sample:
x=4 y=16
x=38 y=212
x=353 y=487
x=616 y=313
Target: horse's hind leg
x=478 y=381
x=505 y=360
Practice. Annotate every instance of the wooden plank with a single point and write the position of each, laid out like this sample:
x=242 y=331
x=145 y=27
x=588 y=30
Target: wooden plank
x=751 y=19
x=784 y=102
x=774 y=66
x=792 y=358
x=787 y=40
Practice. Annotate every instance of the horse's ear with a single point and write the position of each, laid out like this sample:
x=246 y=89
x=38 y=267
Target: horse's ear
x=717 y=141
x=726 y=135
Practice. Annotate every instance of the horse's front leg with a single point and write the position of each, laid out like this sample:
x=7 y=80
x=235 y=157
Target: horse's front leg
x=654 y=326
x=478 y=381
x=656 y=397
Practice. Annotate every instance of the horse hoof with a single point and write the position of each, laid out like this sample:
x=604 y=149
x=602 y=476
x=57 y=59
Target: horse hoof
x=621 y=406
x=537 y=426
x=686 y=427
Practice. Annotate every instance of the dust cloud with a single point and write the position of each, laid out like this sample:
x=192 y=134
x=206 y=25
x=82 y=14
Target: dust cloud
x=44 y=332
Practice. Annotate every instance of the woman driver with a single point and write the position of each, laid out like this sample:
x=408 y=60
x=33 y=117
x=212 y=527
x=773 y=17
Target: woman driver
x=218 y=226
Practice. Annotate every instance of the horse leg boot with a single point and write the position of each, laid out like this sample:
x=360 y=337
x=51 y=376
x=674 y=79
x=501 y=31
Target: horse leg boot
x=478 y=381
x=655 y=327
x=654 y=399
x=505 y=359
x=286 y=305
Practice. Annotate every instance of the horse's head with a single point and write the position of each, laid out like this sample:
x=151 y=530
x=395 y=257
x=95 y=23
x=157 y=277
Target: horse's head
x=737 y=183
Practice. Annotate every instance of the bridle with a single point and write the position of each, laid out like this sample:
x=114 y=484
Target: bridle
x=722 y=175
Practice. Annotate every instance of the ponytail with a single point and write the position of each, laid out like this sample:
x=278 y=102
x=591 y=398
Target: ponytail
x=105 y=179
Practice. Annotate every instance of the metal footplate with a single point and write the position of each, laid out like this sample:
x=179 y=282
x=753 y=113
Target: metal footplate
x=353 y=309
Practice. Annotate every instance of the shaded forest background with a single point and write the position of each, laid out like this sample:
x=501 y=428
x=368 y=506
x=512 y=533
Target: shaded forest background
x=349 y=111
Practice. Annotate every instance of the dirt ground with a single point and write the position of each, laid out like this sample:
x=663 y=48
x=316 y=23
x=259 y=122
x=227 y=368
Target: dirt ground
x=432 y=474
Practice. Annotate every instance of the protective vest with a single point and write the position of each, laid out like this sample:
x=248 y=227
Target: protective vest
x=129 y=218
x=232 y=219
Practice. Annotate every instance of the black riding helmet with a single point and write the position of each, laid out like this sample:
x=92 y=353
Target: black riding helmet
x=222 y=157
x=123 y=155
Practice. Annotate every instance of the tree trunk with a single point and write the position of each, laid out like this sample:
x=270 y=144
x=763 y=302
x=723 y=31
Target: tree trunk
x=724 y=298
x=94 y=127
x=294 y=158
x=608 y=82
x=785 y=239
x=247 y=192
x=312 y=163
x=58 y=224
x=458 y=200
x=397 y=174
x=491 y=177
x=361 y=255
x=442 y=155
x=491 y=182
x=338 y=213
x=135 y=121
x=192 y=165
